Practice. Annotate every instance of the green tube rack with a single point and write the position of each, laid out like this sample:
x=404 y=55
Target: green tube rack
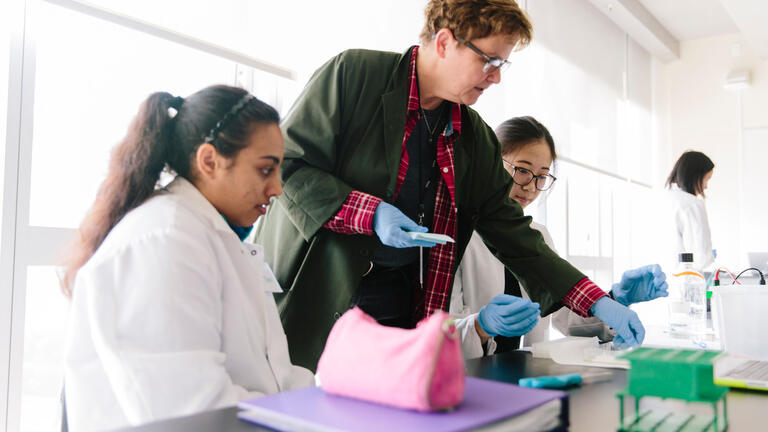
x=676 y=374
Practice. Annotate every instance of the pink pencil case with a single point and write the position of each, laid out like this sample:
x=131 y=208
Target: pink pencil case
x=420 y=369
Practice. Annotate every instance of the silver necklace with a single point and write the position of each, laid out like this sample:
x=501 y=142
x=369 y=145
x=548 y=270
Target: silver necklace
x=431 y=130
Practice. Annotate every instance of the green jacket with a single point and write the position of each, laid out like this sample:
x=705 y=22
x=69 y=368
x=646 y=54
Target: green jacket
x=345 y=133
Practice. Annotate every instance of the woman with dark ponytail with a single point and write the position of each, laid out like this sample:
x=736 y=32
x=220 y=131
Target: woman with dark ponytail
x=687 y=222
x=172 y=312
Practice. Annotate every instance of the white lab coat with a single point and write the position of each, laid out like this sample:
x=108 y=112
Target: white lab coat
x=480 y=278
x=687 y=229
x=171 y=316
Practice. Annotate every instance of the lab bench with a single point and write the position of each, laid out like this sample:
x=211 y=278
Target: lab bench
x=592 y=407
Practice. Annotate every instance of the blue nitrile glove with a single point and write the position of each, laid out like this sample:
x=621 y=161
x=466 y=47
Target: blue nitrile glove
x=630 y=330
x=508 y=316
x=641 y=284
x=392 y=227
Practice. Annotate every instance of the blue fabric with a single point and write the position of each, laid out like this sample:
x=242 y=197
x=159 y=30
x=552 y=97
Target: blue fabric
x=242 y=232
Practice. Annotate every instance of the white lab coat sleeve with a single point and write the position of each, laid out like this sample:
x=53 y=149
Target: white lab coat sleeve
x=471 y=344
x=457 y=308
x=479 y=277
x=696 y=234
x=156 y=311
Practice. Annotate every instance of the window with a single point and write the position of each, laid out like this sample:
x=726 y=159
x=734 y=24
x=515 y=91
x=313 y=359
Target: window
x=87 y=89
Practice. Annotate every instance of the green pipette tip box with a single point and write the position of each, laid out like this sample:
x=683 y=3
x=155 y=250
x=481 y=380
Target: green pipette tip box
x=672 y=373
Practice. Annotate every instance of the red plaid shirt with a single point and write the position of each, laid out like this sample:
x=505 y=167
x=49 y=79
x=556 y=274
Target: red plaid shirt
x=356 y=213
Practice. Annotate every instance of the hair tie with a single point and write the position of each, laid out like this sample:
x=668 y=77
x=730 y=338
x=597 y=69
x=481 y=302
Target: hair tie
x=174 y=106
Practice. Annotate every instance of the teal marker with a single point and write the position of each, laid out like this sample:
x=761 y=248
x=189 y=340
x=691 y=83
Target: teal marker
x=559 y=381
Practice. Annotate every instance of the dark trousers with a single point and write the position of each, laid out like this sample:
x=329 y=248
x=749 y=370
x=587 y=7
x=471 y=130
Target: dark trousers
x=391 y=295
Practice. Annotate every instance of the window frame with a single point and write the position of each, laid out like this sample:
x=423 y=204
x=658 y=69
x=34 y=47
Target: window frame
x=602 y=266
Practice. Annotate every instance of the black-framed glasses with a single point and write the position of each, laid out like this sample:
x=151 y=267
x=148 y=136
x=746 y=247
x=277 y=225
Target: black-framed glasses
x=492 y=64
x=524 y=176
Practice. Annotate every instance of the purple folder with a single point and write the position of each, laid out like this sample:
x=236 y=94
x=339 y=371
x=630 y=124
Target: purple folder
x=311 y=408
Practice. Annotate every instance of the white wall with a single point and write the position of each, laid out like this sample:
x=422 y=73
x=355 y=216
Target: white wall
x=299 y=34
x=5 y=44
x=569 y=79
x=695 y=112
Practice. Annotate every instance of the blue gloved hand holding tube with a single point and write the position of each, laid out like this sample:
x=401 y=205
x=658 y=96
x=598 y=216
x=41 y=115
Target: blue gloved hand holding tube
x=392 y=227
x=508 y=316
x=641 y=284
x=629 y=329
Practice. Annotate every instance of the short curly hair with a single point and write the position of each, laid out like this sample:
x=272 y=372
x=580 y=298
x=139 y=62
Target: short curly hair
x=475 y=19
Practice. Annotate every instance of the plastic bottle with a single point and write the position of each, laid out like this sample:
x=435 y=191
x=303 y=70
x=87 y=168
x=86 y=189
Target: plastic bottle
x=687 y=299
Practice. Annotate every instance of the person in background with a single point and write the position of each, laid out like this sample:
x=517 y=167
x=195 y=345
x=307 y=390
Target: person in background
x=379 y=145
x=172 y=313
x=688 y=213
x=492 y=308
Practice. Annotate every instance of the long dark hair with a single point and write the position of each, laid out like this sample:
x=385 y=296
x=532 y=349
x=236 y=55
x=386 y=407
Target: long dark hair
x=221 y=115
x=689 y=171
x=517 y=132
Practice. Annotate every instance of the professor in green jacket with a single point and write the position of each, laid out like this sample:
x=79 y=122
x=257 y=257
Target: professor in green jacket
x=380 y=145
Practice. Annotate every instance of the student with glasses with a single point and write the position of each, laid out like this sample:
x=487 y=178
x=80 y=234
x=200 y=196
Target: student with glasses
x=381 y=144
x=492 y=307
x=172 y=311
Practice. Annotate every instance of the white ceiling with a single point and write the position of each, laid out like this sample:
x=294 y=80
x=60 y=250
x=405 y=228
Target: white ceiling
x=692 y=19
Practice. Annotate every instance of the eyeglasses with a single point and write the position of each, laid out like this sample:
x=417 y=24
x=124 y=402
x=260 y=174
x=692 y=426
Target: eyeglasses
x=524 y=176
x=492 y=64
